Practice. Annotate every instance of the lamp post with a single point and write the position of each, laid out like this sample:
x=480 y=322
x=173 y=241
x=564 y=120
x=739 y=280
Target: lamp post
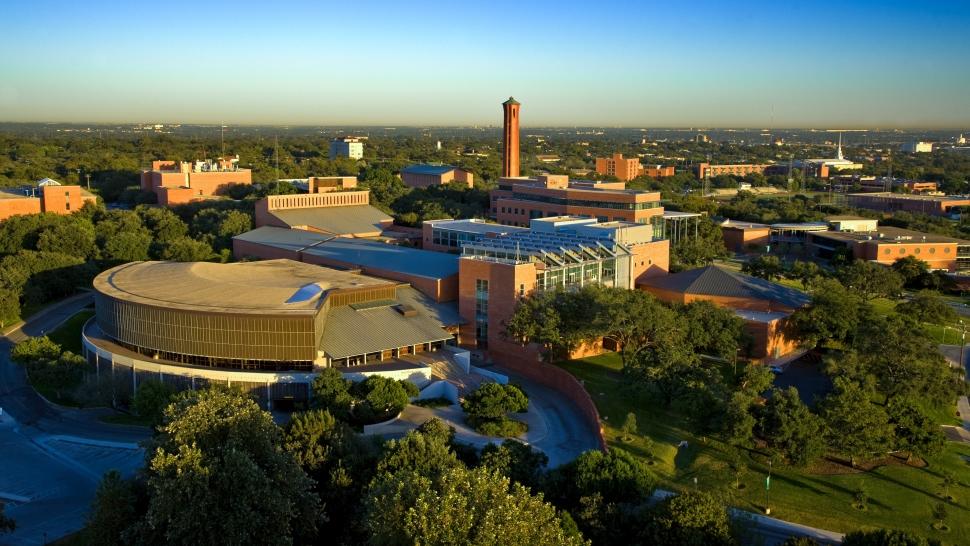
x=963 y=343
x=767 y=488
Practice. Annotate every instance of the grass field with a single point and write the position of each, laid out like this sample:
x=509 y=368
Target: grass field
x=822 y=496
x=68 y=334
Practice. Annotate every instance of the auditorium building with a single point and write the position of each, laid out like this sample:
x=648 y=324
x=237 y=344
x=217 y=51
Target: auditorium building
x=266 y=327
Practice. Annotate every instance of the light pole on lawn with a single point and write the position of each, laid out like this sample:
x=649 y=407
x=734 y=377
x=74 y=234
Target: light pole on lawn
x=963 y=343
x=767 y=488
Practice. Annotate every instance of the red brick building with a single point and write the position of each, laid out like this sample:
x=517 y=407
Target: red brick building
x=179 y=182
x=886 y=244
x=627 y=169
x=47 y=196
x=422 y=176
x=519 y=200
x=764 y=306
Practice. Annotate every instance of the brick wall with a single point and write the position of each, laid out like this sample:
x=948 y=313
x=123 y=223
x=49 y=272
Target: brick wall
x=18 y=206
x=524 y=360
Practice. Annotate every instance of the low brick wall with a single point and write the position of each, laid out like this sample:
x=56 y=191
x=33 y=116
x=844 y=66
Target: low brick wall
x=525 y=360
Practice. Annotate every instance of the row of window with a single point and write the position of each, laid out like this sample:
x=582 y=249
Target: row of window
x=585 y=203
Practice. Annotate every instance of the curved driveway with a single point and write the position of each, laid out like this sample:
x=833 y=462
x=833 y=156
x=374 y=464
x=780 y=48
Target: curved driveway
x=51 y=457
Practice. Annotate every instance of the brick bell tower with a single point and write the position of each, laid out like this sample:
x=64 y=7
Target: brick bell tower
x=510 y=138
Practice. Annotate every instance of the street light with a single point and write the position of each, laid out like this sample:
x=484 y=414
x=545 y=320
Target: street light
x=767 y=488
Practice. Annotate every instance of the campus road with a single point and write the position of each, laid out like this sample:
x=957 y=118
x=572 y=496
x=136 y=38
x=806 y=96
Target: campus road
x=567 y=433
x=52 y=458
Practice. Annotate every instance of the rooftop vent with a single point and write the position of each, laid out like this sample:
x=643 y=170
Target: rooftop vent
x=406 y=310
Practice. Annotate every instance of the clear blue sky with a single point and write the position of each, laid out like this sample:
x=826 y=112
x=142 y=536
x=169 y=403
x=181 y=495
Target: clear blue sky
x=648 y=63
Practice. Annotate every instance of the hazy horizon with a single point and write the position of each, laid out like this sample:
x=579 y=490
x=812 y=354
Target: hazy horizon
x=709 y=65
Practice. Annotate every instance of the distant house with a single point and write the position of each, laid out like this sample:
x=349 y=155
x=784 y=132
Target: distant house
x=763 y=305
x=422 y=175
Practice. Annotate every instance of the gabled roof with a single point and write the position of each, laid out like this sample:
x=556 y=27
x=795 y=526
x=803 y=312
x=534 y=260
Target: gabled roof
x=713 y=280
x=428 y=169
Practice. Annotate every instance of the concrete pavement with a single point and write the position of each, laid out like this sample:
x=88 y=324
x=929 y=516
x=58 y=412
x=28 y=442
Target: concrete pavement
x=52 y=458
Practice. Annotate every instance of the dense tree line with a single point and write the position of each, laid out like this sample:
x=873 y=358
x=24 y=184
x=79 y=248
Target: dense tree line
x=317 y=479
x=44 y=257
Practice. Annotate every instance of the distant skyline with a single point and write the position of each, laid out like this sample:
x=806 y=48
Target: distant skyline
x=709 y=64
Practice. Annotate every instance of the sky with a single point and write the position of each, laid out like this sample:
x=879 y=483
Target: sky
x=647 y=63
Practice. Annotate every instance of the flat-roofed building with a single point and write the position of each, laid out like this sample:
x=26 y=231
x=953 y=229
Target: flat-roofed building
x=449 y=235
x=265 y=327
x=433 y=273
x=422 y=176
x=852 y=223
x=763 y=305
x=519 y=200
x=657 y=171
x=885 y=245
x=352 y=147
x=703 y=170
x=744 y=236
x=496 y=273
x=916 y=147
x=936 y=205
x=180 y=182
x=624 y=169
x=336 y=213
x=45 y=196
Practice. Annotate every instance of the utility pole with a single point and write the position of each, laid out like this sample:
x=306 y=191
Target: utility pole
x=88 y=176
x=222 y=139
x=276 y=152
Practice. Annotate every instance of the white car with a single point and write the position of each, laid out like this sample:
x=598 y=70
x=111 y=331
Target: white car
x=777 y=370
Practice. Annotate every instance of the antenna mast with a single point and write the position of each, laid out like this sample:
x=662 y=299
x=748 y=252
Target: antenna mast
x=276 y=153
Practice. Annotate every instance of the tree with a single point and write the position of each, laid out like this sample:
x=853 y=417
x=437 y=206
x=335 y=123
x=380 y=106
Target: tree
x=425 y=452
x=884 y=537
x=9 y=306
x=912 y=270
x=928 y=306
x=492 y=402
x=854 y=426
x=700 y=250
x=164 y=224
x=790 y=428
x=740 y=469
x=871 y=280
x=151 y=399
x=214 y=445
x=114 y=510
x=833 y=314
x=669 y=364
x=380 y=398
x=692 y=518
x=634 y=320
x=184 y=249
x=806 y=272
x=331 y=391
x=712 y=330
x=739 y=422
x=474 y=507
x=764 y=267
x=913 y=429
x=35 y=348
x=913 y=367
x=600 y=490
x=629 y=427
x=516 y=461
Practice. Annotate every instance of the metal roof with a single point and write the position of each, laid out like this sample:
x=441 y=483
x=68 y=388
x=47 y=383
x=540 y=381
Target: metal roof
x=473 y=226
x=551 y=248
x=713 y=280
x=351 y=332
x=424 y=168
x=347 y=220
x=271 y=286
x=372 y=254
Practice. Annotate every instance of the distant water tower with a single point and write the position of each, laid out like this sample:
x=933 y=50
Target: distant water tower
x=438 y=146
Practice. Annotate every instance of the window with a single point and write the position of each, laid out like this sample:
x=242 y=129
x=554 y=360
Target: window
x=916 y=251
x=481 y=312
x=522 y=290
x=932 y=250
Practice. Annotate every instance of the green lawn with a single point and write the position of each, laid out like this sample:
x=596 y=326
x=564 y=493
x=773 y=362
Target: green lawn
x=901 y=496
x=68 y=334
